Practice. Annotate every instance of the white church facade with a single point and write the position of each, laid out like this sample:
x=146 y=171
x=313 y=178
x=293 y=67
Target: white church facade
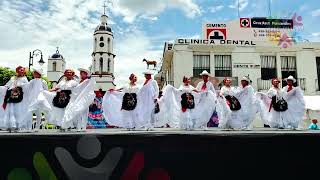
x=102 y=65
x=56 y=67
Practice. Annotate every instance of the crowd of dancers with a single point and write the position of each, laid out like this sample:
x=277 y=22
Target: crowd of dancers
x=136 y=107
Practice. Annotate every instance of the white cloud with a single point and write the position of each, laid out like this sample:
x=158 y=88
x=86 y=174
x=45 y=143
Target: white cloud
x=315 y=13
x=242 y=4
x=146 y=9
x=26 y=26
x=131 y=50
x=316 y=34
x=214 y=9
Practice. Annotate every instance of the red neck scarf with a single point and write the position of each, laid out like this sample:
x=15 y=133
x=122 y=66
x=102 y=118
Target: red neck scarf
x=204 y=86
x=147 y=80
x=289 y=88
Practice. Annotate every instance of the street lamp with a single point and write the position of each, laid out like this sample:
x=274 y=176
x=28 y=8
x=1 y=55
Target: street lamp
x=36 y=52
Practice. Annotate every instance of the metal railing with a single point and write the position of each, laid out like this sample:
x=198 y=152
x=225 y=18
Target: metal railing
x=263 y=84
x=170 y=82
x=266 y=84
x=302 y=83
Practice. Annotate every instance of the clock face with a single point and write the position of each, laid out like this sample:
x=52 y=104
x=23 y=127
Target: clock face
x=101 y=44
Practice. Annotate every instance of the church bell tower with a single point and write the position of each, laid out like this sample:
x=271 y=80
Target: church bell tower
x=102 y=67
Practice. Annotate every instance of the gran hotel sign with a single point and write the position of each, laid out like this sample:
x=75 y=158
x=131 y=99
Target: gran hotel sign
x=214 y=42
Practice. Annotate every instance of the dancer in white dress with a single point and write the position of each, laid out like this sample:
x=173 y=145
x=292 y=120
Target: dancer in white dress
x=205 y=86
x=38 y=85
x=120 y=105
x=82 y=96
x=147 y=97
x=188 y=119
x=241 y=102
x=186 y=108
x=228 y=91
x=55 y=101
x=15 y=98
x=282 y=108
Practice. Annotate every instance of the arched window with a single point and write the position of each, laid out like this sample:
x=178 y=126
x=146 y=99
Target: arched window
x=94 y=65
x=95 y=44
x=54 y=66
x=109 y=45
x=101 y=38
x=109 y=61
x=101 y=64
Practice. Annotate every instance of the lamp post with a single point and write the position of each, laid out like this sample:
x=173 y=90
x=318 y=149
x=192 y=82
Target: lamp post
x=36 y=52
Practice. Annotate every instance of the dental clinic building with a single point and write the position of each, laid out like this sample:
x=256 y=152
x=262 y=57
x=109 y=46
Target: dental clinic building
x=259 y=47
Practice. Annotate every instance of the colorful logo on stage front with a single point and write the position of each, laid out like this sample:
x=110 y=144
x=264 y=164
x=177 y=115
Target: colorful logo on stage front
x=89 y=148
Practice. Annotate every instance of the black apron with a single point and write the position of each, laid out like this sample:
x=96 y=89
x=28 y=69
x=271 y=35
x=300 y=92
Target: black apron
x=62 y=99
x=14 y=95
x=129 y=101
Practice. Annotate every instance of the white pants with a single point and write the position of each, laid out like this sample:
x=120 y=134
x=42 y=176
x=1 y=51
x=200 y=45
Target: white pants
x=81 y=122
x=38 y=119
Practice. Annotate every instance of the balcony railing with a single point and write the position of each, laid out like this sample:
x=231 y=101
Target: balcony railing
x=302 y=83
x=263 y=84
x=266 y=84
x=170 y=82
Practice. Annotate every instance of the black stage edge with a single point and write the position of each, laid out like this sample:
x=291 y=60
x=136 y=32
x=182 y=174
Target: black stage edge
x=160 y=155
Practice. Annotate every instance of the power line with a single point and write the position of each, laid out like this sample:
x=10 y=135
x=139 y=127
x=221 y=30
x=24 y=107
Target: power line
x=238 y=8
x=269 y=7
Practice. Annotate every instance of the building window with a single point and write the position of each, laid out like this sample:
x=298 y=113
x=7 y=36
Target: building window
x=268 y=67
x=95 y=44
x=101 y=65
x=200 y=63
x=109 y=61
x=223 y=65
x=109 y=45
x=288 y=68
x=94 y=65
x=101 y=38
x=54 y=66
x=318 y=73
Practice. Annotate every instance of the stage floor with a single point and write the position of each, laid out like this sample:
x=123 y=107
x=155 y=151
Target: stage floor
x=160 y=154
x=165 y=131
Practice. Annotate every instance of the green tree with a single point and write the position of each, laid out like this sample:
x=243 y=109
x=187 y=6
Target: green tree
x=5 y=75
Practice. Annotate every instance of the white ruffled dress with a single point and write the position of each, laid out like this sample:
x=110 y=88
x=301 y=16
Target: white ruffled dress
x=16 y=115
x=44 y=102
x=191 y=118
x=288 y=119
x=240 y=119
x=114 y=115
x=77 y=110
x=146 y=104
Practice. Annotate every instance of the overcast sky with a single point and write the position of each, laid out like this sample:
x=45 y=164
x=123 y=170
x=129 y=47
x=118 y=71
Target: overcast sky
x=140 y=26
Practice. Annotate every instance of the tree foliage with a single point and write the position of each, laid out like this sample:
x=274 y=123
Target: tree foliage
x=7 y=73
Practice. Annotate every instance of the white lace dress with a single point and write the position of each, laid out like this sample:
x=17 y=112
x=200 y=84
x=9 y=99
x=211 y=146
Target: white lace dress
x=288 y=119
x=112 y=108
